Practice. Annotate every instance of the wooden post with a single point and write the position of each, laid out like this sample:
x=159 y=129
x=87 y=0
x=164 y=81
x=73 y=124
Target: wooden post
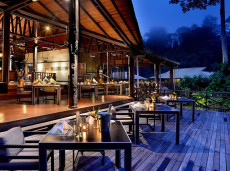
x=108 y=69
x=137 y=71
x=74 y=42
x=35 y=51
x=131 y=76
x=156 y=73
x=171 y=77
x=6 y=47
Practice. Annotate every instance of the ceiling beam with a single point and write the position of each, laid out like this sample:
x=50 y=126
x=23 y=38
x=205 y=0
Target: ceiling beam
x=94 y=21
x=18 y=4
x=43 y=19
x=59 y=4
x=100 y=37
x=111 y=21
x=50 y=12
x=126 y=24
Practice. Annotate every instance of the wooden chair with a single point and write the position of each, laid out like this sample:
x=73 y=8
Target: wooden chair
x=18 y=154
x=24 y=92
x=126 y=117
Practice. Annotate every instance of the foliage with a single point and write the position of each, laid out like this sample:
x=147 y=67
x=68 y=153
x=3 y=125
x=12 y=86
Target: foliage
x=220 y=80
x=197 y=83
x=193 y=4
x=191 y=46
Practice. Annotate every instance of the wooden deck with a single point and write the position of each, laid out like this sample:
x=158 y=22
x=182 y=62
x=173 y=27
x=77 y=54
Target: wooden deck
x=15 y=114
x=204 y=145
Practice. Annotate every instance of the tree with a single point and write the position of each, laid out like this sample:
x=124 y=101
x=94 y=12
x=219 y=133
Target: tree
x=203 y=4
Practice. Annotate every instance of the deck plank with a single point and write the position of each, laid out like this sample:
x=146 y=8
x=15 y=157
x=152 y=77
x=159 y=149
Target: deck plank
x=204 y=145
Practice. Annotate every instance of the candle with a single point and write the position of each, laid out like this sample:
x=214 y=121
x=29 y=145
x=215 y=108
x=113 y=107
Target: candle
x=84 y=128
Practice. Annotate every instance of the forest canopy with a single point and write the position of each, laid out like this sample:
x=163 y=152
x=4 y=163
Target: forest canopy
x=190 y=46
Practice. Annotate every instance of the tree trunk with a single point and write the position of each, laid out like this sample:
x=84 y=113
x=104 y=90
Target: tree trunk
x=223 y=33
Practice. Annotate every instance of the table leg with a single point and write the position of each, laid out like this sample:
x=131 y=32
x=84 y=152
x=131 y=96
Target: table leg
x=118 y=158
x=107 y=89
x=33 y=95
x=181 y=108
x=137 y=139
x=167 y=119
x=120 y=89
x=61 y=159
x=177 y=129
x=38 y=89
x=193 y=111
x=42 y=159
x=58 y=96
x=79 y=92
x=96 y=92
x=162 y=123
x=128 y=158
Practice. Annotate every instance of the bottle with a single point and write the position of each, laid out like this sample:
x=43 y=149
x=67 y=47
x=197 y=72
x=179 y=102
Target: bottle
x=109 y=111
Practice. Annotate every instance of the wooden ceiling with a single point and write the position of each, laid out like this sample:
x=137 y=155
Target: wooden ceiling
x=111 y=21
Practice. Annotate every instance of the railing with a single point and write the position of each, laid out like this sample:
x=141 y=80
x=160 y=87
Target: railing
x=217 y=101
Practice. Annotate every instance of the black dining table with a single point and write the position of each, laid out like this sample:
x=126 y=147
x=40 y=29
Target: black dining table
x=180 y=100
x=93 y=139
x=160 y=109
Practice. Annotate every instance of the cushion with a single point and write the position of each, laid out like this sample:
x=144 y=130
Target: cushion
x=13 y=136
x=24 y=164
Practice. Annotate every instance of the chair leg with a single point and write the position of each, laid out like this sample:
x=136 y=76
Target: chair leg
x=52 y=161
x=73 y=159
x=103 y=157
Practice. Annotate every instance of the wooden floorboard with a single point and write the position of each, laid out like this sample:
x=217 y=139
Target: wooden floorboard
x=204 y=145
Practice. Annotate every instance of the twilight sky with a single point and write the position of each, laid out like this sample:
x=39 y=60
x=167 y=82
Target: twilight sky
x=159 y=13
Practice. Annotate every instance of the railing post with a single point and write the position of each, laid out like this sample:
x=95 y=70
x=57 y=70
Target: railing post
x=206 y=100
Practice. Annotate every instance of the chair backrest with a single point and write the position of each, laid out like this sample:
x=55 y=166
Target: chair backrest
x=14 y=136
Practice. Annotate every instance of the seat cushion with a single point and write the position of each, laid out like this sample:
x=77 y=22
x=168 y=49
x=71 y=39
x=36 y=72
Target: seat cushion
x=13 y=136
x=24 y=164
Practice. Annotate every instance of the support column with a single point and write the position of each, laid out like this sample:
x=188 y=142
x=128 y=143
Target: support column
x=160 y=86
x=171 y=78
x=74 y=42
x=174 y=79
x=137 y=72
x=131 y=76
x=35 y=51
x=6 y=47
x=107 y=62
x=156 y=73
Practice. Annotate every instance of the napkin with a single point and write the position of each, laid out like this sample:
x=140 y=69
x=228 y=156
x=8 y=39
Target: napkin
x=139 y=105
x=91 y=120
x=113 y=110
x=63 y=129
x=94 y=81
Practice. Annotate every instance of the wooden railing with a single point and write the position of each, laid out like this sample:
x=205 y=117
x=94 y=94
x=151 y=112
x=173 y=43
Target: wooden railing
x=217 y=101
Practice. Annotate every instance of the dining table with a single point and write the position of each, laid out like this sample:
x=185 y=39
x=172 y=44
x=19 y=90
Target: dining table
x=160 y=109
x=113 y=84
x=42 y=86
x=94 y=86
x=91 y=139
x=167 y=100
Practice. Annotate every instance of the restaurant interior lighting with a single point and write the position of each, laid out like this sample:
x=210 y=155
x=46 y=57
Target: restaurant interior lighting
x=47 y=28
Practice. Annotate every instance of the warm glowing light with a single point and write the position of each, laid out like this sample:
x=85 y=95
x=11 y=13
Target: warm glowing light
x=102 y=98
x=84 y=128
x=40 y=67
x=24 y=109
x=2 y=117
x=47 y=28
x=1 y=54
